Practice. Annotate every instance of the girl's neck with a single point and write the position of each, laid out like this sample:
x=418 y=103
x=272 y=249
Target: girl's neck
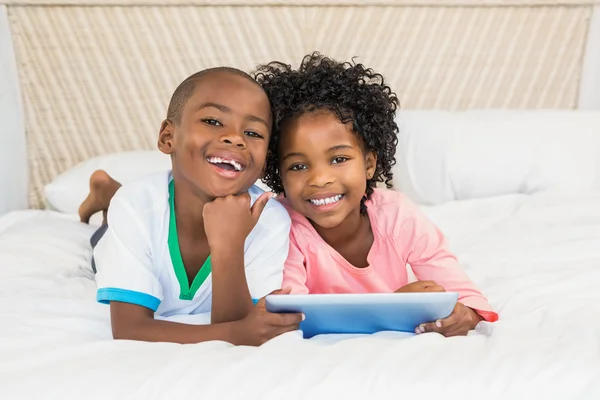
x=354 y=224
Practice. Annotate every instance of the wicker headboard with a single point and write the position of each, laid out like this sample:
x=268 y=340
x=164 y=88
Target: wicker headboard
x=96 y=76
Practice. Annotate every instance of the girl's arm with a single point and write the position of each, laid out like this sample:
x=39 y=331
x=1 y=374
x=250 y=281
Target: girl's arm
x=294 y=272
x=431 y=260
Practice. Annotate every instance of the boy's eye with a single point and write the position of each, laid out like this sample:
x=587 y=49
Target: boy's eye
x=298 y=167
x=339 y=160
x=211 y=121
x=254 y=134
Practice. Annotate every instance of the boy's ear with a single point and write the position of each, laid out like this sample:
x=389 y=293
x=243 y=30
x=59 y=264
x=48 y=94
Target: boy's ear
x=165 y=137
x=371 y=164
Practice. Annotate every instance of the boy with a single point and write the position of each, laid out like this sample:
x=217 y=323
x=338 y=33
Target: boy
x=168 y=233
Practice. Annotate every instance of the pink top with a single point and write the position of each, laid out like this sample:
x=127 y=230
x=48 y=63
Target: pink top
x=402 y=235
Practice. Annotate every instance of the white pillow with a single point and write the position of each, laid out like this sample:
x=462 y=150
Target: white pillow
x=446 y=156
x=68 y=190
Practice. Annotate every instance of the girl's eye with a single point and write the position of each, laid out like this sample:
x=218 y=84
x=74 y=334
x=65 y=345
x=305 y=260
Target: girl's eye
x=298 y=167
x=210 y=121
x=254 y=134
x=339 y=160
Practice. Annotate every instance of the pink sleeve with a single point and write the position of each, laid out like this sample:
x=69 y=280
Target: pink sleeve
x=430 y=260
x=294 y=272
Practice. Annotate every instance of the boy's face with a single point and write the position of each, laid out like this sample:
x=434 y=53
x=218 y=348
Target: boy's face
x=220 y=145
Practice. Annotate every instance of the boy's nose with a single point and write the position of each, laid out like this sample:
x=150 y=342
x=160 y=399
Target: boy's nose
x=234 y=139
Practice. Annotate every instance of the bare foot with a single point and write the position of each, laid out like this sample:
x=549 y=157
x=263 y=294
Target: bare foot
x=102 y=190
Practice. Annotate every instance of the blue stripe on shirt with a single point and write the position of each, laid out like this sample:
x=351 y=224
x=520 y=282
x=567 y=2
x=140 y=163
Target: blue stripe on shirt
x=106 y=295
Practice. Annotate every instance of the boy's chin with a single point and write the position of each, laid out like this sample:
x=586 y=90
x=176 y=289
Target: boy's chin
x=224 y=193
x=228 y=190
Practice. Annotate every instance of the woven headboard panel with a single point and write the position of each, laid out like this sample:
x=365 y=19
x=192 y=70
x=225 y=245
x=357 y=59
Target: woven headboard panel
x=97 y=79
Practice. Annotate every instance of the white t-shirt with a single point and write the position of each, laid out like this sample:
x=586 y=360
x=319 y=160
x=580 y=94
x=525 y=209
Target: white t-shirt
x=138 y=259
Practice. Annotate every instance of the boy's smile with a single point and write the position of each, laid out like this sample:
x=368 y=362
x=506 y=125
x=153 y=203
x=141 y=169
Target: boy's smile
x=220 y=145
x=227 y=161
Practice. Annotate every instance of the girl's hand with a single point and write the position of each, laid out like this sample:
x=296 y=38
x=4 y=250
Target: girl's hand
x=421 y=286
x=459 y=323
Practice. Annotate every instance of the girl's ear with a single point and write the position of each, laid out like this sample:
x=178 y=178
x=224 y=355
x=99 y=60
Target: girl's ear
x=370 y=164
x=165 y=137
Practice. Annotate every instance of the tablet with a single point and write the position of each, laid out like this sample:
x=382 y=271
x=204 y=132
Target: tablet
x=364 y=313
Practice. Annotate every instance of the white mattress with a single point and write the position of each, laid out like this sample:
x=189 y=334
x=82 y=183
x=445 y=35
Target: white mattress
x=537 y=258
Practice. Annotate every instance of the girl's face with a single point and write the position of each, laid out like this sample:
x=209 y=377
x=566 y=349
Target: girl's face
x=324 y=169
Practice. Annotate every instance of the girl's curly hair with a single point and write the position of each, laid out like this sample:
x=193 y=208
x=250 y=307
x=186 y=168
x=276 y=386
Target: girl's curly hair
x=350 y=91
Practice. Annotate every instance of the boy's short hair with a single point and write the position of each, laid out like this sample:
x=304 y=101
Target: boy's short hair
x=186 y=89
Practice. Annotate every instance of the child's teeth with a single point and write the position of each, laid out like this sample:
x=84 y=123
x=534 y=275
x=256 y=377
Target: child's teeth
x=219 y=160
x=328 y=200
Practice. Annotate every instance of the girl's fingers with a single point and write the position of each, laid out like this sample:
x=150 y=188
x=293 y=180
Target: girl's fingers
x=458 y=329
x=454 y=322
x=428 y=327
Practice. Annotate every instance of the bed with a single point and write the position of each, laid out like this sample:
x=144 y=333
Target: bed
x=502 y=154
x=536 y=257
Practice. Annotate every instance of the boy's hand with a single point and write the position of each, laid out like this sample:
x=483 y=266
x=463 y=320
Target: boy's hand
x=229 y=220
x=459 y=323
x=261 y=326
x=421 y=286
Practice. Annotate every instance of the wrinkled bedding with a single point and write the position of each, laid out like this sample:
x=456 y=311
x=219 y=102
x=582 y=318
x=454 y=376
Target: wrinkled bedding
x=537 y=258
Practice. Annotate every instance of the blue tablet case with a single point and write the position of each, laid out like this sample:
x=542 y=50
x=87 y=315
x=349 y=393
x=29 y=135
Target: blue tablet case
x=364 y=313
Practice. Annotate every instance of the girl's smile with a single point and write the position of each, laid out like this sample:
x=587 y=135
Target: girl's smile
x=324 y=169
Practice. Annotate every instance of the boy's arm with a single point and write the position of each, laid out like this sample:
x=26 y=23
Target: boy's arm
x=134 y=322
x=230 y=295
x=228 y=221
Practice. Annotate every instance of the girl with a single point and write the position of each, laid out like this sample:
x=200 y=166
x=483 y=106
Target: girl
x=334 y=137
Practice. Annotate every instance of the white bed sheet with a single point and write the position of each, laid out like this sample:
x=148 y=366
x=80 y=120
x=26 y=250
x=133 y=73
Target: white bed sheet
x=536 y=257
